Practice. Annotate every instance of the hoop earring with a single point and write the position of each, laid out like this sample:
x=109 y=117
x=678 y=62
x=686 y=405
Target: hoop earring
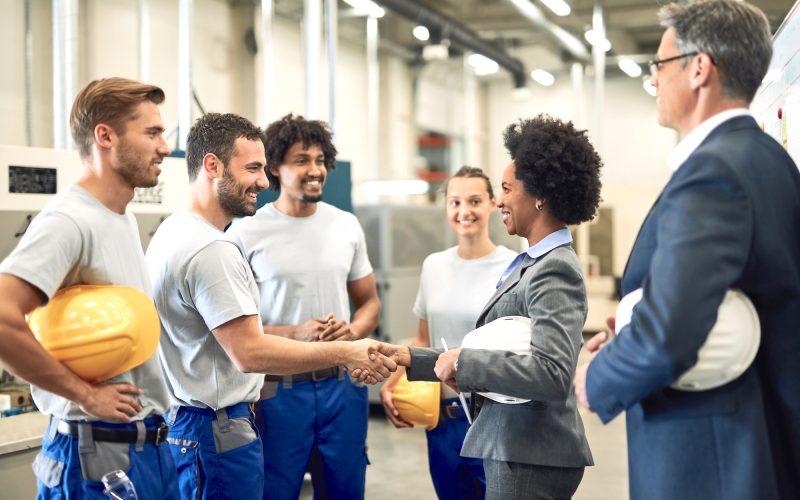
x=539 y=207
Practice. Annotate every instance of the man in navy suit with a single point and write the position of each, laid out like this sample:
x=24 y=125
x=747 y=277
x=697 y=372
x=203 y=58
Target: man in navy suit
x=729 y=217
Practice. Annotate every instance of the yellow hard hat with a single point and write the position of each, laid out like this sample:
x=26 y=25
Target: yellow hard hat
x=417 y=402
x=98 y=331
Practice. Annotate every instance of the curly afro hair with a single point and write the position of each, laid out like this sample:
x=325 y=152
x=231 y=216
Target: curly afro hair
x=284 y=133
x=557 y=163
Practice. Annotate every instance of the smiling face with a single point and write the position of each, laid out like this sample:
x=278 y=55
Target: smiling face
x=141 y=148
x=302 y=173
x=517 y=206
x=242 y=178
x=468 y=206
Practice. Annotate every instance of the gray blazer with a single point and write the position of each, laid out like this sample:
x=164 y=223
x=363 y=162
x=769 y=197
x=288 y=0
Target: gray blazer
x=548 y=429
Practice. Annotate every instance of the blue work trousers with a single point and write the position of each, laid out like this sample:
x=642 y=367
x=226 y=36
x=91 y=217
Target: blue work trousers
x=217 y=453
x=69 y=468
x=454 y=477
x=328 y=416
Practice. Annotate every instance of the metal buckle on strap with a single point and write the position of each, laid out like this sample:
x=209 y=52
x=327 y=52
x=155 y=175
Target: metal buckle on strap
x=161 y=433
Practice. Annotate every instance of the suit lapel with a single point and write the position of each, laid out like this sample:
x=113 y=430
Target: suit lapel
x=507 y=285
x=739 y=122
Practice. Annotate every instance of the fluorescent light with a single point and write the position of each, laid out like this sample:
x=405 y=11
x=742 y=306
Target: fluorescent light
x=366 y=8
x=437 y=51
x=482 y=64
x=421 y=33
x=542 y=77
x=531 y=11
x=559 y=7
x=389 y=187
x=601 y=43
x=630 y=67
x=649 y=87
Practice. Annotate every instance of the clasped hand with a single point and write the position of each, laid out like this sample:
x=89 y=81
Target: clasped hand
x=371 y=361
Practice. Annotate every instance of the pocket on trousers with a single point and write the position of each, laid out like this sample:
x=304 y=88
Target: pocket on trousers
x=48 y=470
x=105 y=458
x=239 y=433
x=187 y=463
x=269 y=389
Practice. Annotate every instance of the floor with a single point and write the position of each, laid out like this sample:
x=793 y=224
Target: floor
x=399 y=462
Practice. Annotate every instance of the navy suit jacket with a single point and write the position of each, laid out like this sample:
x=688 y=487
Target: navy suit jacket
x=728 y=218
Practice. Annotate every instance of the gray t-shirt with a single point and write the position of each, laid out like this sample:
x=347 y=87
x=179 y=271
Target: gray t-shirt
x=302 y=264
x=200 y=281
x=453 y=292
x=78 y=240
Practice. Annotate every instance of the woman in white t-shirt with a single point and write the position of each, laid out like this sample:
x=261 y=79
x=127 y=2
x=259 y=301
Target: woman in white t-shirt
x=454 y=287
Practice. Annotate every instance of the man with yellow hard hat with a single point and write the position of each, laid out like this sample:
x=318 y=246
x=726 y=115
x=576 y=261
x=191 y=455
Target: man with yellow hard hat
x=86 y=236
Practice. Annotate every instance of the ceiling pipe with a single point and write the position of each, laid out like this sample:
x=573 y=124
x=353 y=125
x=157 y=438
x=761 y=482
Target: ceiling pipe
x=534 y=14
x=458 y=34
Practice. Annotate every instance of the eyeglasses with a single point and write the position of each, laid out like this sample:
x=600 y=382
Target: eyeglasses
x=656 y=63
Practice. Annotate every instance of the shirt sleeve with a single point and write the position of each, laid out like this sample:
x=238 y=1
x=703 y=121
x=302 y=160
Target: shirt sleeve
x=48 y=252
x=420 y=309
x=360 y=266
x=221 y=284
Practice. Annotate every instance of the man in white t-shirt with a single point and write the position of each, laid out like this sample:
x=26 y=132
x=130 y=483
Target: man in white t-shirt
x=310 y=262
x=85 y=235
x=213 y=346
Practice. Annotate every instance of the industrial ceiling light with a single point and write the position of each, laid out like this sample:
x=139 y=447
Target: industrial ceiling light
x=482 y=64
x=601 y=43
x=559 y=7
x=436 y=52
x=542 y=77
x=421 y=33
x=366 y=8
x=630 y=67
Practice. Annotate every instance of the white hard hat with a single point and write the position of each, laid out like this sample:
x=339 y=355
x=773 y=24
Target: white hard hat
x=509 y=333
x=729 y=349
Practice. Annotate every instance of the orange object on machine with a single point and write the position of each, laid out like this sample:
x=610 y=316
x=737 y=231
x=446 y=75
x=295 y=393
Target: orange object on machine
x=98 y=331
x=418 y=402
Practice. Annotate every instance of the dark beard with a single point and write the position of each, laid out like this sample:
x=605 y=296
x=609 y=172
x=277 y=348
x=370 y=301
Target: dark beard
x=233 y=197
x=312 y=199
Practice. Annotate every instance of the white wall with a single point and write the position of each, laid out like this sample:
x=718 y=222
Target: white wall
x=634 y=148
x=224 y=76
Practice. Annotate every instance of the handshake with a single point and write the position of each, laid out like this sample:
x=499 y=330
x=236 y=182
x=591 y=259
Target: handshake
x=371 y=361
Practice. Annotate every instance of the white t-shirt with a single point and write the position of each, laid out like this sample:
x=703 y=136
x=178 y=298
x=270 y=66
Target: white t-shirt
x=302 y=264
x=200 y=281
x=76 y=240
x=453 y=292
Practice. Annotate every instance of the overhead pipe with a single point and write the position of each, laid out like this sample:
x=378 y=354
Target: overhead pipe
x=185 y=17
x=265 y=63
x=571 y=43
x=28 y=76
x=373 y=103
x=312 y=27
x=331 y=44
x=458 y=34
x=144 y=40
x=65 y=68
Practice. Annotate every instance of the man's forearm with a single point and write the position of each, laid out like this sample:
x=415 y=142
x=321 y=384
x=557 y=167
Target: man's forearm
x=365 y=319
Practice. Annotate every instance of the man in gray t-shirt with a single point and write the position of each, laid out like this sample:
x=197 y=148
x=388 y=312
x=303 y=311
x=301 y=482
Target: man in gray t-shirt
x=86 y=236
x=310 y=262
x=212 y=341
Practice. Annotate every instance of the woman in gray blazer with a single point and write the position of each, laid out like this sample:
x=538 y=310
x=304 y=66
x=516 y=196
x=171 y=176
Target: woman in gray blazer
x=534 y=450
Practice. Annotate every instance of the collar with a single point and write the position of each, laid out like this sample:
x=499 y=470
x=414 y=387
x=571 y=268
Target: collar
x=549 y=242
x=693 y=139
